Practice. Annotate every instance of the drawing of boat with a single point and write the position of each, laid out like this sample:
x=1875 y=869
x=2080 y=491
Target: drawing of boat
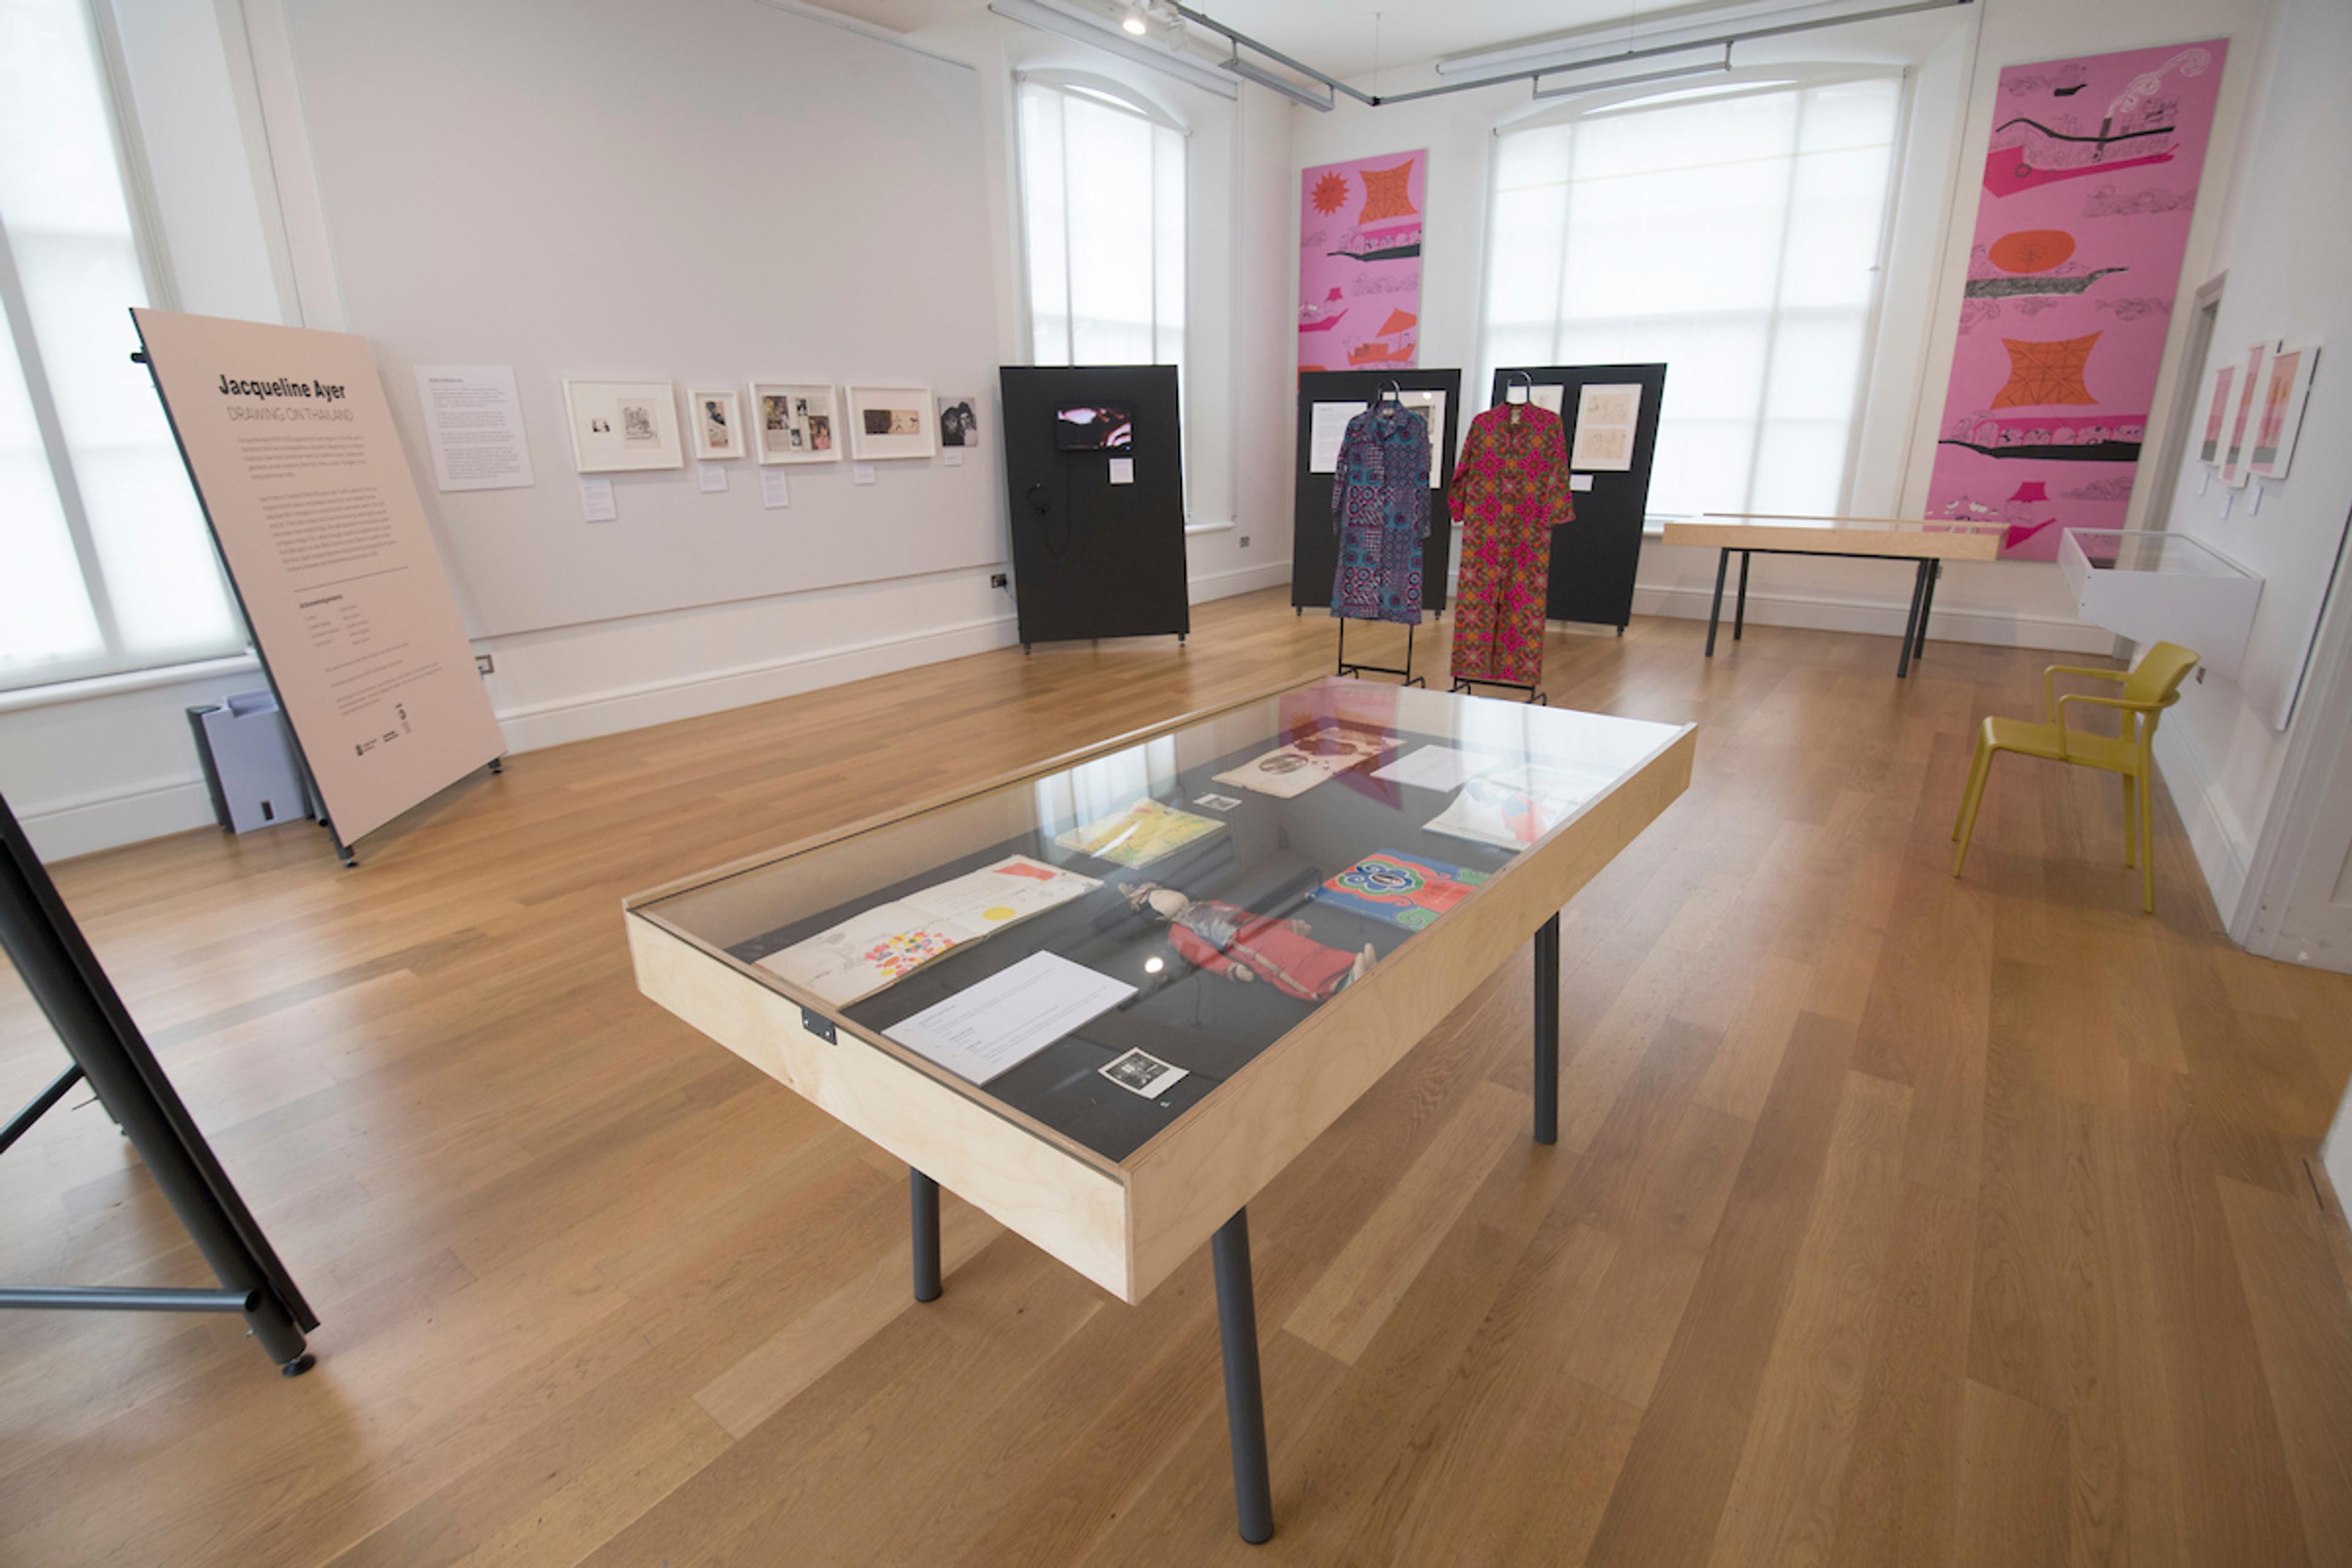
x=2073 y=438
x=1393 y=245
x=1320 y=322
x=2005 y=287
x=2008 y=170
x=1373 y=350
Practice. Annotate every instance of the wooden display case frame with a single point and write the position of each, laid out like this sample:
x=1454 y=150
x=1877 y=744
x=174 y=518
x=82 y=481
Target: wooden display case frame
x=1128 y=1225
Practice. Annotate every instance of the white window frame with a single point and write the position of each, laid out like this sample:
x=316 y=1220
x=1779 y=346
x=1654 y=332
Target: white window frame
x=1114 y=95
x=1793 y=77
x=139 y=202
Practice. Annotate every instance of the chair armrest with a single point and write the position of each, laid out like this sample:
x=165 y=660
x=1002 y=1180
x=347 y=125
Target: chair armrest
x=2049 y=691
x=2117 y=703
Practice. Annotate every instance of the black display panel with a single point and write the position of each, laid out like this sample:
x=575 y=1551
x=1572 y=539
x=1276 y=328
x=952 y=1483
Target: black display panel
x=1594 y=559
x=1313 y=547
x=1096 y=503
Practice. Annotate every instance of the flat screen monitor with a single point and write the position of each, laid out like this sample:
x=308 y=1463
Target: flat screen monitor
x=1094 y=427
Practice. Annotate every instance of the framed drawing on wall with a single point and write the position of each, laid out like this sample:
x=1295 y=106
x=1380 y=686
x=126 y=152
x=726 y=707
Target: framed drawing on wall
x=2238 y=444
x=618 y=426
x=2218 y=383
x=2279 y=417
x=794 y=422
x=717 y=419
x=891 y=422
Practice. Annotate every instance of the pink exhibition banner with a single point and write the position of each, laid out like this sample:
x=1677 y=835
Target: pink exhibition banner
x=1360 y=262
x=2089 y=186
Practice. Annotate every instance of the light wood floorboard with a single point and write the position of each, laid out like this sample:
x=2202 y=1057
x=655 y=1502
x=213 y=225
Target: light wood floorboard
x=1895 y=1219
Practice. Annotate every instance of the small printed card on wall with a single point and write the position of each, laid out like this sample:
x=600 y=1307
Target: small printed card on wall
x=710 y=477
x=861 y=473
x=596 y=500
x=773 y=491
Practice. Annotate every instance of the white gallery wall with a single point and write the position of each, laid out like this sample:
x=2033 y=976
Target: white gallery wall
x=1953 y=58
x=702 y=192
x=2224 y=749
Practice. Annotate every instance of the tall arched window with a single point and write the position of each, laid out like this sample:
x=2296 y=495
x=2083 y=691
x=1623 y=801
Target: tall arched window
x=105 y=564
x=1102 y=195
x=1734 y=232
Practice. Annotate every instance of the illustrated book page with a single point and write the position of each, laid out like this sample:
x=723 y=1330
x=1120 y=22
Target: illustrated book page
x=872 y=951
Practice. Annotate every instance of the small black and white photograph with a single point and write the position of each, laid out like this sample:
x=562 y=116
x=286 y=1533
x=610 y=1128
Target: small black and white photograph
x=637 y=426
x=1139 y=1073
x=959 y=422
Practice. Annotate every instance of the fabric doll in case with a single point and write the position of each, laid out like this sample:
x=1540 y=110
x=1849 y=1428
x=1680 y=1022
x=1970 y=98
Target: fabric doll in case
x=1232 y=942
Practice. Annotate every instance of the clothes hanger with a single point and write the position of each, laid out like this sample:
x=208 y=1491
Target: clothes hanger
x=1520 y=383
x=1392 y=393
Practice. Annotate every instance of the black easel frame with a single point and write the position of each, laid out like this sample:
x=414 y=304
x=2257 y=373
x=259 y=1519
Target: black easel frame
x=63 y=977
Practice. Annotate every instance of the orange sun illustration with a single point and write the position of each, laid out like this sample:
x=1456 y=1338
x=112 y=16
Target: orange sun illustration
x=1330 y=194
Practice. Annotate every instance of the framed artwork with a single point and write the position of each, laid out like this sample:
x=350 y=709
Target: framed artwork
x=887 y=422
x=2239 y=444
x=959 y=421
x=618 y=426
x=2211 y=439
x=1604 y=426
x=2279 y=419
x=717 y=422
x=794 y=422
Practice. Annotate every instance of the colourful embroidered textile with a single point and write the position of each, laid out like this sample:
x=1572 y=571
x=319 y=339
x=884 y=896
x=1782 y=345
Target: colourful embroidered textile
x=1510 y=490
x=1379 y=509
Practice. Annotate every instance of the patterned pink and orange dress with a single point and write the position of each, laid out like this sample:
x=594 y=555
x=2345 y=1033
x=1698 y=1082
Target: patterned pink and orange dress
x=1510 y=490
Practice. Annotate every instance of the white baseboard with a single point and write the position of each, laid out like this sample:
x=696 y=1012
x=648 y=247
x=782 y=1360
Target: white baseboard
x=1880 y=617
x=619 y=708
x=2223 y=848
x=1247 y=580
x=87 y=823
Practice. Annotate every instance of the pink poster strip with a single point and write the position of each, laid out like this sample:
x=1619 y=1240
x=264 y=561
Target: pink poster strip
x=2089 y=186
x=1360 y=262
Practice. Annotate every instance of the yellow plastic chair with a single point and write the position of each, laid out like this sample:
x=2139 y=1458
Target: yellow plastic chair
x=2148 y=690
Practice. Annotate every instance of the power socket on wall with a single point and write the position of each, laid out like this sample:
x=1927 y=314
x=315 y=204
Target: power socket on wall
x=997 y=580
x=484 y=663
x=1245 y=542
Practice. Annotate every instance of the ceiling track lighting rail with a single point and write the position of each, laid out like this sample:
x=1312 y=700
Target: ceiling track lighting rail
x=1534 y=74
x=1105 y=35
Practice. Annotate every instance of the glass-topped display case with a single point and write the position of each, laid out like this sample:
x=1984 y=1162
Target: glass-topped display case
x=1079 y=966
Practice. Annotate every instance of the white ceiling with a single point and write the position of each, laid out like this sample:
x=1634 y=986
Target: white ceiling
x=1347 y=38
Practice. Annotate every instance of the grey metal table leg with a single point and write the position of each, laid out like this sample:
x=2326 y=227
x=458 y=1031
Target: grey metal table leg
x=1739 y=610
x=923 y=1206
x=1911 y=621
x=1548 y=1031
x=1927 y=608
x=1244 y=1399
x=1715 y=614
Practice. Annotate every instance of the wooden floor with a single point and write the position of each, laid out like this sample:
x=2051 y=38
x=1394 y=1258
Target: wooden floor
x=1894 y=1219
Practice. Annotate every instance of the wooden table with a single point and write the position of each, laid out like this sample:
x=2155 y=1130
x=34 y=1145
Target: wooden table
x=1927 y=545
x=1123 y=1187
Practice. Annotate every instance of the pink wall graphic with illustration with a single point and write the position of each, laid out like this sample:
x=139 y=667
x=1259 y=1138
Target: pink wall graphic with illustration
x=1360 y=262
x=2089 y=186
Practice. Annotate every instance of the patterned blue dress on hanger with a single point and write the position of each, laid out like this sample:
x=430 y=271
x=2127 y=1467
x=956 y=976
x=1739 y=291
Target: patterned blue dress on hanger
x=1379 y=509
